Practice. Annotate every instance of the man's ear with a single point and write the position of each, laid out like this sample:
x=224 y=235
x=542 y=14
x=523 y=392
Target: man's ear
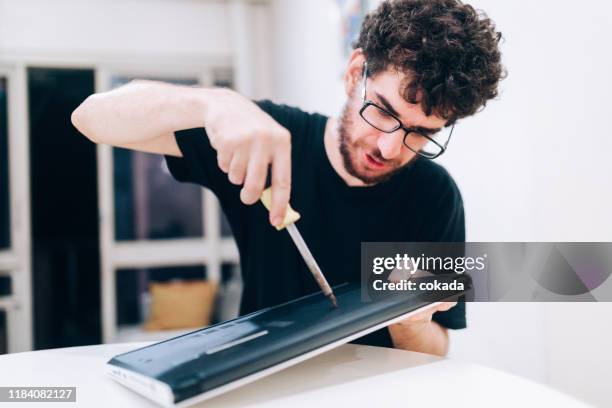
x=354 y=70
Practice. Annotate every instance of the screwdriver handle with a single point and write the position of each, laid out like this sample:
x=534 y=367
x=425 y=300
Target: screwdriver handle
x=291 y=215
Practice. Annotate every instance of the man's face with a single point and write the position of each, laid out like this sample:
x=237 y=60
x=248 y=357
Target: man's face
x=368 y=153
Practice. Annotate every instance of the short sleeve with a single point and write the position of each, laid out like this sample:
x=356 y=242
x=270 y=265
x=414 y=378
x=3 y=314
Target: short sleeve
x=195 y=165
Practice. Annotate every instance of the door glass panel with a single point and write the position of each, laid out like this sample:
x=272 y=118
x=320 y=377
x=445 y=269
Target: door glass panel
x=230 y=291
x=3 y=335
x=64 y=233
x=5 y=285
x=5 y=218
x=149 y=203
x=226 y=230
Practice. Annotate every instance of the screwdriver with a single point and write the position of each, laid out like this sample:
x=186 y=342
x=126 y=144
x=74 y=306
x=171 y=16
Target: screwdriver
x=291 y=216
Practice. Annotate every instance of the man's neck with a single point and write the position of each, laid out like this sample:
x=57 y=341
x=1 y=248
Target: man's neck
x=331 y=140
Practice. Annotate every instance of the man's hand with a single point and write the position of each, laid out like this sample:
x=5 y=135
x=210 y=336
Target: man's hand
x=420 y=333
x=248 y=141
x=143 y=115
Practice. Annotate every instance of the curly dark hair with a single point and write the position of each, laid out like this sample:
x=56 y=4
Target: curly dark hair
x=448 y=51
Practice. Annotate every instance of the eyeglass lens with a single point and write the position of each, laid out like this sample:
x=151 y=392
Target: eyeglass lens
x=415 y=141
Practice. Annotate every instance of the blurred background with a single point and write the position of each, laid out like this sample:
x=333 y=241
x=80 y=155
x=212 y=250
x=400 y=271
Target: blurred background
x=94 y=241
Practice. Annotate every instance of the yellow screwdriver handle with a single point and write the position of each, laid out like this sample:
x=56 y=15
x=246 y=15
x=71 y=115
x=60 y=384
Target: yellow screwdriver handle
x=291 y=215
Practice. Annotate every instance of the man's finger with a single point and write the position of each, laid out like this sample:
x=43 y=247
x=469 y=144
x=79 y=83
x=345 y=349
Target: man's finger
x=255 y=180
x=281 y=185
x=238 y=167
x=444 y=306
x=224 y=160
x=424 y=315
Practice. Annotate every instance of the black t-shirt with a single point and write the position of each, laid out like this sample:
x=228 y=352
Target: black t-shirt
x=419 y=204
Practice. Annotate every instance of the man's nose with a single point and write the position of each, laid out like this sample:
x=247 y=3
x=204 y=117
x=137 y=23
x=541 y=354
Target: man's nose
x=390 y=144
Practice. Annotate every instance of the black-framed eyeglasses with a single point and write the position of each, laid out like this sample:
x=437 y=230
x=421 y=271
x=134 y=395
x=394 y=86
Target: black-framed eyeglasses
x=419 y=140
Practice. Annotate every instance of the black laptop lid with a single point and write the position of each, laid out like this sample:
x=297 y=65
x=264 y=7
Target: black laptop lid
x=211 y=357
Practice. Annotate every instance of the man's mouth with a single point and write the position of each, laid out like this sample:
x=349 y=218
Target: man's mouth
x=373 y=163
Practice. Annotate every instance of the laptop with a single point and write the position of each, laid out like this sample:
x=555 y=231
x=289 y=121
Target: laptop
x=208 y=362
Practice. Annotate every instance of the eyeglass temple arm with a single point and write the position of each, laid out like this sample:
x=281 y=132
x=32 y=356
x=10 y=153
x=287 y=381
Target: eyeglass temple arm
x=449 y=136
x=364 y=75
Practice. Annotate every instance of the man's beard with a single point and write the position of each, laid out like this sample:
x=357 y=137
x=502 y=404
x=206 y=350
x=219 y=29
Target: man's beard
x=347 y=146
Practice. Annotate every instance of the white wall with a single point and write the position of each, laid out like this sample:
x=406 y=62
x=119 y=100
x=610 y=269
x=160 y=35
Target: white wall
x=118 y=27
x=142 y=35
x=520 y=165
x=545 y=142
x=307 y=56
x=538 y=170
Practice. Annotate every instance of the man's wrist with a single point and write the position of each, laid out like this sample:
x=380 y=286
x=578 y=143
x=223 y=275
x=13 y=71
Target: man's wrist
x=411 y=331
x=198 y=103
x=425 y=337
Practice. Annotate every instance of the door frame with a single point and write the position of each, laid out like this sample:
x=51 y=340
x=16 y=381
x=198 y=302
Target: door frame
x=16 y=261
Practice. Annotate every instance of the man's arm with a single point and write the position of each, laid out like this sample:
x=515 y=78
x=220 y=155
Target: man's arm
x=420 y=333
x=144 y=115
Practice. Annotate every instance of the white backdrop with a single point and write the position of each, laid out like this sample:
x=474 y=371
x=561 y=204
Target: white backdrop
x=533 y=166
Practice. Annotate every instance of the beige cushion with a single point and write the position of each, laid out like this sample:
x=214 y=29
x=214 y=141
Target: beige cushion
x=180 y=304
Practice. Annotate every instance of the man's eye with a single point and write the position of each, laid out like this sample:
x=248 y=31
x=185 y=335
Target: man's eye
x=383 y=113
x=421 y=135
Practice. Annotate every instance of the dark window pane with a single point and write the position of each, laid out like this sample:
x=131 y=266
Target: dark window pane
x=64 y=211
x=149 y=203
x=228 y=300
x=229 y=272
x=5 y=285
x=132 y=286
x=226 y=230
x=3 y=334
x=5 y=231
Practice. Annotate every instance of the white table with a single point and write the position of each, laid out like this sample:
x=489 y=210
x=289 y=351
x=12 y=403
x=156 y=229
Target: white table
x=349 y=376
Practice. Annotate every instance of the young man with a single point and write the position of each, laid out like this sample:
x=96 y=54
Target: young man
x=417 y=68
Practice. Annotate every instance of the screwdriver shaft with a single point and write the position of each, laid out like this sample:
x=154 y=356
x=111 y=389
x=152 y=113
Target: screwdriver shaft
x=311 y=263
